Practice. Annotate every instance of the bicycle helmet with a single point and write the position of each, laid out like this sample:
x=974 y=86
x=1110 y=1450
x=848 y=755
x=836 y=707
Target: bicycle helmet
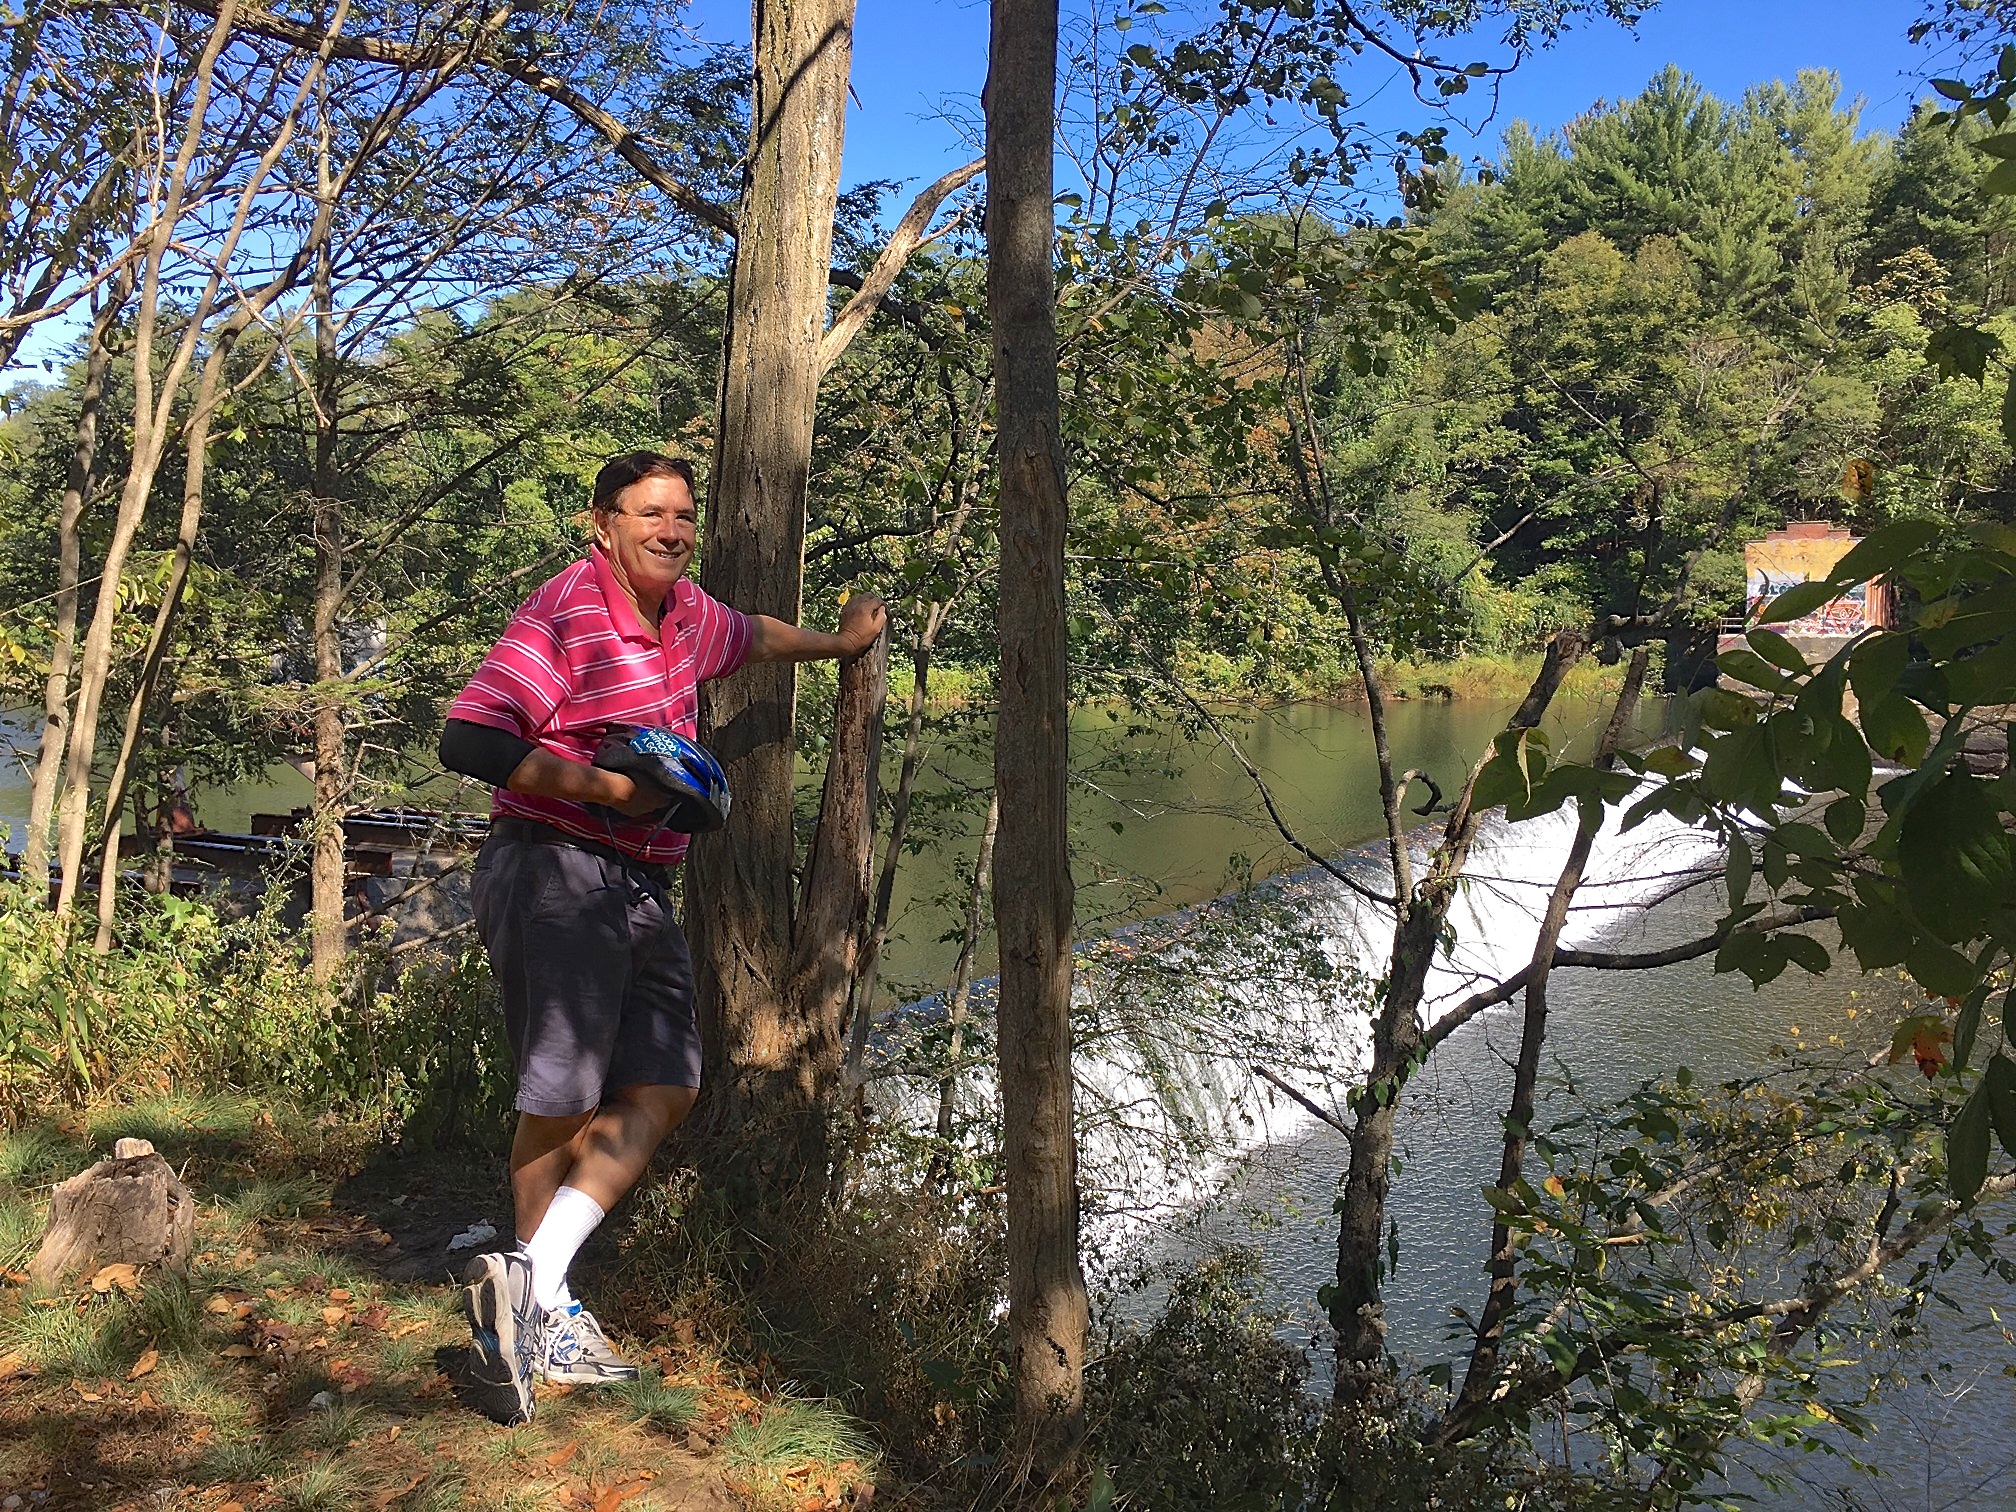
x=686 y=772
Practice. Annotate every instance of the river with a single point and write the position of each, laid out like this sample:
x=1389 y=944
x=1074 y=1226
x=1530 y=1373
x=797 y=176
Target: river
x=1161 y=821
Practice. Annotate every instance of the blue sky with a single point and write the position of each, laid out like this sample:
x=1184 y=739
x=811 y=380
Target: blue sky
x=910 y=55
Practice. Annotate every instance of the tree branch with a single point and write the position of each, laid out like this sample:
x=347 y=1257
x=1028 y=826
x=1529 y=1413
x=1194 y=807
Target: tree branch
x=903 y=241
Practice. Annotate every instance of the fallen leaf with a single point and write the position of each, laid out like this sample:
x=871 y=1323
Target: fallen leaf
x=14 y=1363
x=373 y=1317
x=864 y=1493
x=89 y=1396
x=238 y=1352
x=331 y=1316
x=339 y=1294
x=232 y=1506
x=149 y=1358
x=560 y=1456
x=407 y=1328
x=219 y=1305
x=123 y=1275
x=147 y=1400
x=14 y=1277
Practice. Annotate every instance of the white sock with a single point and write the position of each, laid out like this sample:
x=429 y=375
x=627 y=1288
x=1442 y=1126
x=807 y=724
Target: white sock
x=570 y=1218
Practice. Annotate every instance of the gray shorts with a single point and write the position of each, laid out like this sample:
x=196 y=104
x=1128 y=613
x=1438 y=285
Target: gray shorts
x=596 y=979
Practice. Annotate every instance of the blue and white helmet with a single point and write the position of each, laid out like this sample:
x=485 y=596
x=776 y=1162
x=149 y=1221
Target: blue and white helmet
x=695 y=786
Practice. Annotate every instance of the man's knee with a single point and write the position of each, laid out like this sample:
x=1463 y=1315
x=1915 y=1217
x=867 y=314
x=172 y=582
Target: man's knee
x=666 y=1107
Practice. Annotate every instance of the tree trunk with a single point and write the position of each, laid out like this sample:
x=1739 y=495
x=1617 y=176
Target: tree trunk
x=69 y=556
x=1481 y=1377
x=962 y=987
x=826 y=952
x=150 y=436
x=1047 y=1309
x=739 y=915
x=1357 y=1307
x=129 y=1210
x=862 y=1009
x=325 y=878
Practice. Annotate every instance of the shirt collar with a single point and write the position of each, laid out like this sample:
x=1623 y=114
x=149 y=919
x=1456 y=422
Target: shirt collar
x=622 y=614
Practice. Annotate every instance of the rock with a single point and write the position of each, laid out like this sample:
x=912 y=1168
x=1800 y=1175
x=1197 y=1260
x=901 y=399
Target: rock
x=123 y=1211
x=322 y=1401
x=9 y=1503
x=130 y=1148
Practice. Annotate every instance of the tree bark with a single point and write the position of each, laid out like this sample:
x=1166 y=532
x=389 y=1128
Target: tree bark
x=69 y=557
x=827 y=949
x=1482 y=1375
x=1357 y=1308
x=196 y=454
x=962 y=987
x=129 y=1210
x=1047 y=1308
x=326 y=942
x=739 y=914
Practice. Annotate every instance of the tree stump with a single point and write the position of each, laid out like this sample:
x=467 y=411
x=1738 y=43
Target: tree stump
x=130 y=1209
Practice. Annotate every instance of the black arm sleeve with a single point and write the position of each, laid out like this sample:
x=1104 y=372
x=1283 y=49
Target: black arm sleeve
x=482 y=751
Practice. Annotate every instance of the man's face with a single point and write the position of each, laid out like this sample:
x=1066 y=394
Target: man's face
x=650 y=534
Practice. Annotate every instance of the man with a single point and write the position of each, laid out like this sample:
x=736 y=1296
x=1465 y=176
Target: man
x=570 y=895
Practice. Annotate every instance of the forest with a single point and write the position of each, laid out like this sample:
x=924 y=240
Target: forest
x=1191 y=398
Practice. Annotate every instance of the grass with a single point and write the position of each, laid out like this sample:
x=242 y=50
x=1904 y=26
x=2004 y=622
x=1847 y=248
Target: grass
x=794 y=1446
x=324 y=1485
x=652 y=1401
x=292 y=1294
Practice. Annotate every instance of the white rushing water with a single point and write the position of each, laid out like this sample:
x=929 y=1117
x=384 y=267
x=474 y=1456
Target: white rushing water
x=1175 y=1014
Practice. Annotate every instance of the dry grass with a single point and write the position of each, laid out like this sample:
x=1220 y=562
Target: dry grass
x=295 y=1369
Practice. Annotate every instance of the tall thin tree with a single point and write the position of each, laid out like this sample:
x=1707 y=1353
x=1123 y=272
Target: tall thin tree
x=1047 y=1309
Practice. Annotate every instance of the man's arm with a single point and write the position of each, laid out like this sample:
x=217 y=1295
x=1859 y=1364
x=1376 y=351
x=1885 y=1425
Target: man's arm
x=505 y=760
x=542 y=774
x=862 y=619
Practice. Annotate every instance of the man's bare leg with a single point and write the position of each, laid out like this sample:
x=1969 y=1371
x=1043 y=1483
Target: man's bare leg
x=600 y=1154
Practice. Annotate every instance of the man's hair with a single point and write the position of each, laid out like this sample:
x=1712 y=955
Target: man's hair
x=618 y=473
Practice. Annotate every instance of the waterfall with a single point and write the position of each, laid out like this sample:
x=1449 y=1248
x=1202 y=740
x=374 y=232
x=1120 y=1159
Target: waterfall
x=1173 y=1014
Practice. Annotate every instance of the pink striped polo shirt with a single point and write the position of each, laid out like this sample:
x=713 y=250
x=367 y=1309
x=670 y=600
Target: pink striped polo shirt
x=574 y=660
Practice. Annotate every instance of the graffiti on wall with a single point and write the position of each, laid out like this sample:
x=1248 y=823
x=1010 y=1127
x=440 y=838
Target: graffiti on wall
x=1803 y=554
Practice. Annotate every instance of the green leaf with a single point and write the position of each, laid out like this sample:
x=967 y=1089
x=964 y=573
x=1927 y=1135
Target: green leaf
x=1896 y=729
x=1954 y=857
x=1845 y=819
x=1806 y=952
x=1961 y=351
x=1940 y=969
x=1720 y=709
x=2000 y=1080
x=1876 y=663
x=1798 y=601
x=1738 y=872
x=1968 y=1025
x=1997 y=181
x=1883 y=550
x=1778 y=651
x=1967 y=1146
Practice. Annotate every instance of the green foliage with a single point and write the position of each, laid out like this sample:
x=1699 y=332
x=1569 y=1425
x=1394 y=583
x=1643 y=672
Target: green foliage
x=229 y=1004
x=1204 y=1407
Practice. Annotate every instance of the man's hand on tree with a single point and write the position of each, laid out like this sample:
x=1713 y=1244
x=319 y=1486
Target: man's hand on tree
x=863 y=618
